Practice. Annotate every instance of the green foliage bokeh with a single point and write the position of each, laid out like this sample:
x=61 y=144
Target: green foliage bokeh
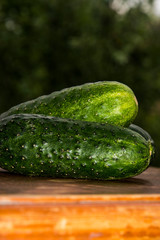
x=49 y=45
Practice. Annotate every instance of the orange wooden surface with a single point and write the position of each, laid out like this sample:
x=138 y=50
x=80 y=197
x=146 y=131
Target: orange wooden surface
x=36 y=208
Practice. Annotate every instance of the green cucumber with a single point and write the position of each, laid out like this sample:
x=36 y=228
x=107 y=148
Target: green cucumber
x=146 y=135
x=141 y=131
x=37 y=145
x=105 y=102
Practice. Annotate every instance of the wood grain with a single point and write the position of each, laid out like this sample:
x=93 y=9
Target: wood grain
x=80 y=217
x=56 y=209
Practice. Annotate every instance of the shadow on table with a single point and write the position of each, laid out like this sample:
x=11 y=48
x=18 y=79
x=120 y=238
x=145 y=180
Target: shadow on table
x=17 y=184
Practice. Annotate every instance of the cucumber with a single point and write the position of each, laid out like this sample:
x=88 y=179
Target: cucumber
x=141 y=131
x=105 y=102
x=146 y=135
x=37 y=145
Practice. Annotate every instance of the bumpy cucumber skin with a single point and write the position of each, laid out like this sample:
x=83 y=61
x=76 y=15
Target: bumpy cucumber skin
x=37 y=145
x=105 y=102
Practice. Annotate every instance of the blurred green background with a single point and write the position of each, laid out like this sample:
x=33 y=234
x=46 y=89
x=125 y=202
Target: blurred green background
x=47 y=45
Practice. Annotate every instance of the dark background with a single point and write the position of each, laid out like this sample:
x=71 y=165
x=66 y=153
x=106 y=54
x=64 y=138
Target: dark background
x=47 y=45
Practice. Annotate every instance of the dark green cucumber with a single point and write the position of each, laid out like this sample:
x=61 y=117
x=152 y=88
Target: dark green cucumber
x=146 y=135
x=106 y=102
x=37 y=145
x=141 y=131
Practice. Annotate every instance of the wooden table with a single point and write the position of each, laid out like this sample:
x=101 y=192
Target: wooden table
x=58 y=209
